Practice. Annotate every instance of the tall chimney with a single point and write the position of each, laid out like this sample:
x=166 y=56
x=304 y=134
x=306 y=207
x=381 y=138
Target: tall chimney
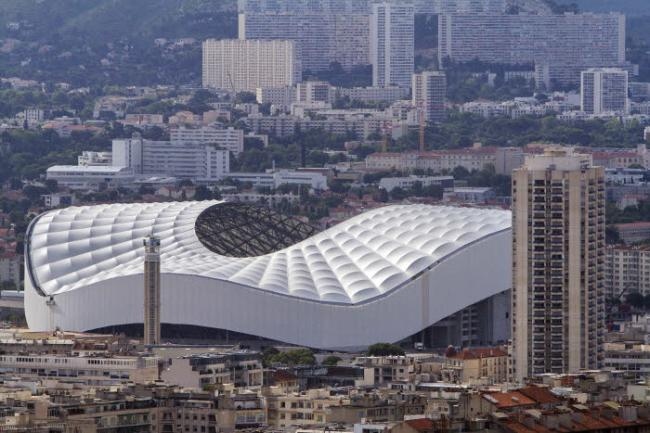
x=151 y=290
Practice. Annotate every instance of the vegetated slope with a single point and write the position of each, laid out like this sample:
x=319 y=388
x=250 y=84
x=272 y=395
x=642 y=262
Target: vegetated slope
x=629 y=7
x=100 y=42
x=108 y=20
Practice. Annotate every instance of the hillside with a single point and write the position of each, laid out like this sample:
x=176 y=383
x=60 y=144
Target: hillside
x=629 y=7
x=107 y=20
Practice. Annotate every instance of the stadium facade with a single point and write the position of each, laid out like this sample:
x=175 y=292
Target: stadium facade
x=384 y=275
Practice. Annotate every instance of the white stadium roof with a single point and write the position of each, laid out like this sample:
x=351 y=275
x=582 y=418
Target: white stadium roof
x=90 y=261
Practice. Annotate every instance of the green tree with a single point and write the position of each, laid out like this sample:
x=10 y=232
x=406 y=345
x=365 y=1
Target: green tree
x=331 y=360
x=202 y=192
x=385 y=349
x=635 y=299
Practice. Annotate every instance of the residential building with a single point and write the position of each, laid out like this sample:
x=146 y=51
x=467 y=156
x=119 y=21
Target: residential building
x=388 y=94
x=322 y=37
x=229 y=139
x=239 y=370
x=244 y=65
x=10 y=265
x=627 y=270
x=604 y=90
x=473 y=194
x=201 y=162
x=92 y=371
x=390 y=183
x=560 y=46
x=473 y=364
x=274 y=179
x=82 y=177
x=282 y=96
x=475 y=158
x=558 y=223
x=306 y=408
x=632 y=233
x=646 y=134
x=429 y=93
x=392 y=44
x=96 y=159
x=380 y=370
x=313 y=91
x=144 y=120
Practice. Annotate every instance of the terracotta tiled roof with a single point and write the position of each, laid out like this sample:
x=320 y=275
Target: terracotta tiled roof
x=421 y=424
x=485 y=352
x=507 y=400
x=540 y=394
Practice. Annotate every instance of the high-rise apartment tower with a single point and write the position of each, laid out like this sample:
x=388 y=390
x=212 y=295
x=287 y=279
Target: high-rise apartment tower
x=429 y=93
x=392 y=44
x=558 y=212
x=604 y=90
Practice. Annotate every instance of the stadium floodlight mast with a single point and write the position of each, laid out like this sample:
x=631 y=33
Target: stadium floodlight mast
x=151 y=290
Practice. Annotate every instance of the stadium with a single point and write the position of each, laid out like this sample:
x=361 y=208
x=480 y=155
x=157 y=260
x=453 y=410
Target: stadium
x=385 y=275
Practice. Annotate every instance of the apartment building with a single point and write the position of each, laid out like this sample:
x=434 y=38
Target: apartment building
x=321 y=36
x=79 y=177
x=387 y=94
x=381 y=370
x=437 y=162
x=392 y=44
x=229 y=139
x=314 y=91
x=96 y=370
x=390 y=183
x=604 y=90
x=558 y=223
x=282 y=96
x=490 y=364
x=560 y=46
x=301 y=409
x=245 y=65
x=627 y=269
x=10 y=265
x=274 y=179
x=176 y=159
x=429 y=94
x=241 y=370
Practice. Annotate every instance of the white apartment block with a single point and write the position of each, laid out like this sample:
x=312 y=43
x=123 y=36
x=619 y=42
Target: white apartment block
x=390 y=183
x=360 y=6
x=199 y=371
x=437 y=162
x=604 y=90
x=90 y=158
x=560 y=46
x=199 y=162
x=278 y=96
x=313 y=180
x=92 y=371
x=313 y=91
x=244 y=65
x=627 y=269
x=429 y=94
x=93 y=177
x=387 y=94
x=229 y=139
x=392 y=44
x=321 y=37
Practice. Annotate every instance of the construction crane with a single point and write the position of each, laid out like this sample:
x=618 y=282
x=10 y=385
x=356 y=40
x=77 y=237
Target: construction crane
x=387 y=130
x=232 y=85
